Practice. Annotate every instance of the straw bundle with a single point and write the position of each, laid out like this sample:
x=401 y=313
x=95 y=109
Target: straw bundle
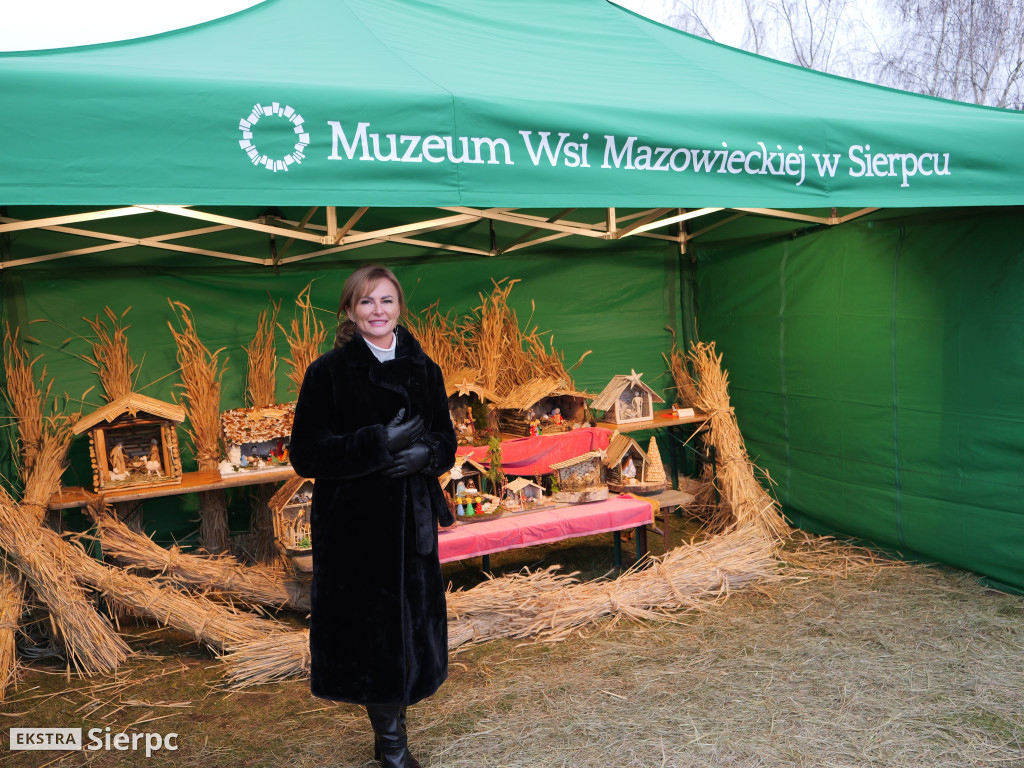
x=262 y=379
x=254 y=585
x=305 y=339
x=42 y=558
x=552 y=607
x=49 y=464
x=262 y=352
x=688 y=578
x=25 y=399
x=686 y=390
x=548 y=362
x=745 y=501
x=110 y=355
x=442 y=339
x=213 y=624
x=493 y=333
x=201 y=375
x=12 y=600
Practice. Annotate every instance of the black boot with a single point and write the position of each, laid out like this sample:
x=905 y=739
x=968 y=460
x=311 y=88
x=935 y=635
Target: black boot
x=391 y=746
x=376 y=738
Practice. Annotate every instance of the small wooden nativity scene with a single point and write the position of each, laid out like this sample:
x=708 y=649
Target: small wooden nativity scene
x=579 y=479
x=465 y=488
x=257 y=438
x=630 y=469
x=290 y=508
x=133 y=443
x=627 y=400
x=541 y=406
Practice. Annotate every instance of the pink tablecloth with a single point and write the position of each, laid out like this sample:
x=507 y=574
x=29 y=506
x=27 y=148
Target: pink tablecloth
x=543 y=527
x=527 y=456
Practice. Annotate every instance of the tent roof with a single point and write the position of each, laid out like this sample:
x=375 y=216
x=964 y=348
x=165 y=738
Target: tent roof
x=297 y=102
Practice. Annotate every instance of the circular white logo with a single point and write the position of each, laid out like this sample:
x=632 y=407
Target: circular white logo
x=247 y=124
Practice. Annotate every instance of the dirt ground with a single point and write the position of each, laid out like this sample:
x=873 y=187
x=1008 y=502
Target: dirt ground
x=894 y=666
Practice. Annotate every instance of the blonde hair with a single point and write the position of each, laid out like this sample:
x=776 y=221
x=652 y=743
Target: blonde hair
x=359 y=284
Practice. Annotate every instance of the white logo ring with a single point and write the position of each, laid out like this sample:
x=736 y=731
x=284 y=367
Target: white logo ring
x=259 y=111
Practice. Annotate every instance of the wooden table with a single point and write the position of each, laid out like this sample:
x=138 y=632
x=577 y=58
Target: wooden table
x=191 y=482
x=481 y=539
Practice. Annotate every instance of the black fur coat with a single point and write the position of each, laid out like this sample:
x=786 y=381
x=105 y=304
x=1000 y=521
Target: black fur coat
x=378 y=631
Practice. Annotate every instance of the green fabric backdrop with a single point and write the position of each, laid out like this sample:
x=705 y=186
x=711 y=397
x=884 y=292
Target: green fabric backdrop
x=877 y=373
x=614 y=299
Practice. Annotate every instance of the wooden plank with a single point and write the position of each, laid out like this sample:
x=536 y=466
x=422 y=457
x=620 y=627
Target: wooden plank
x=191 y=482
x=658 y=422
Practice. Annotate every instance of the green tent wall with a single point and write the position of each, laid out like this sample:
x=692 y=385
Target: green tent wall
x=877 y=374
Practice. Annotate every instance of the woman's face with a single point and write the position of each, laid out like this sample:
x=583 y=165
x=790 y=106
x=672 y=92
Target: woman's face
x=376 y=313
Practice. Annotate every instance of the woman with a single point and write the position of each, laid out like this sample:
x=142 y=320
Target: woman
x=372 y=427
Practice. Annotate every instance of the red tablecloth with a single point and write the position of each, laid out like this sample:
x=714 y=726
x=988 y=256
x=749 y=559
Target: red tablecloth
x=542 y=527
x=527 y=456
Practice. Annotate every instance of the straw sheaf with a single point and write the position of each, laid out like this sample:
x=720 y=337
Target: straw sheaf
x=110 y=355
x=201 y=375
x=306 y=336
x=442 y=339
x=25 y=398
x=262 y=353
x=251 y=584
x=745 y=501
x=686 y=389
x=213 y=624
x=49 y=465
x=552 y=607
x=12 y=601
x=45 y=561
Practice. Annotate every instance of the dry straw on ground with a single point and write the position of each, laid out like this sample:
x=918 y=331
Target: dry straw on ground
x=255 y=585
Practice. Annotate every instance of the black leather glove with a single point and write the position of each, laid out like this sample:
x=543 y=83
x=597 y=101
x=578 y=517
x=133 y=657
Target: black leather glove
x=408 y=461
x=402 y=434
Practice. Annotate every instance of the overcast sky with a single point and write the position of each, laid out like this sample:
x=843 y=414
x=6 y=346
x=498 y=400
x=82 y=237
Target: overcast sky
x=27 y=25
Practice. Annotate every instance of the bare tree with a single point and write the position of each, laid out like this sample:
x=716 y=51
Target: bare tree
x=969 y=50
x=817 y=34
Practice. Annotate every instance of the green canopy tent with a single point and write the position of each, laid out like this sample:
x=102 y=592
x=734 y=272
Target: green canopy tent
x=632 y=175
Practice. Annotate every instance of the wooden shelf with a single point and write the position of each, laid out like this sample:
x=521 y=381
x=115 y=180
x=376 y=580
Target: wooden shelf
x=191 y=482
x=658 y=422
x=196 y=482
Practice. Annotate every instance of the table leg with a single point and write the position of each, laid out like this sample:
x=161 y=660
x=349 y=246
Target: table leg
x=641 y=542
x=617 y=549
x=485 y=563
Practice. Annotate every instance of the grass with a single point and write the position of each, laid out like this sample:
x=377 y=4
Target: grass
x=895 y=666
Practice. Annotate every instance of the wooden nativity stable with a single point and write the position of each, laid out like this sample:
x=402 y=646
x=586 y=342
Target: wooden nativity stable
x=631 y=469
x=627 y=399
x=290 y=510
x=133 y=443
x=541 y=406
x=854 y=252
